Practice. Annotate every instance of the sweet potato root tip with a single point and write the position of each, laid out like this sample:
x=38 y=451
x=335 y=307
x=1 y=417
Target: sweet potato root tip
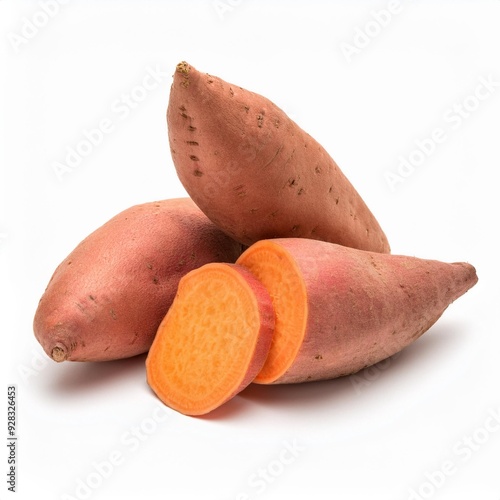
x=183 y=69
x=213 y=341
x=59 y=353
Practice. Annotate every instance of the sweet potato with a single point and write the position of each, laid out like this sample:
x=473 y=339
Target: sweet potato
x=339 y=309
x=213 y=341
x=255 y=173
x=107 y=298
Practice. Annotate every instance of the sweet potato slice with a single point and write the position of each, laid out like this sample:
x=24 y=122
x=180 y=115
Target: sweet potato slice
x=213 y=341
x=339 y=310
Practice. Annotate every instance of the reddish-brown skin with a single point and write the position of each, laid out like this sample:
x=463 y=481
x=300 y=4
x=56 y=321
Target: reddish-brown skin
x=364 y=306
x=107 y=298
x=266 y=321
x=255 y=172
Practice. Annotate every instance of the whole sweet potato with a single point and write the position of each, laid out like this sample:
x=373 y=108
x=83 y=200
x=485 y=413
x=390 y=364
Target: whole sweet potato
x=340 y=309
x=107 y=298
x=255 y=173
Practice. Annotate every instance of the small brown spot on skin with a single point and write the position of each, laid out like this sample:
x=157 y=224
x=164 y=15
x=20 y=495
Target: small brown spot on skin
x=318 y=356
x=240 y=189
x=317 y=169
x=184 y=115
x=155 y=280
x=180 y=265
x=247 y=109
x=260 y=120
x=113 y=313
x=331 y=189
x=336 y=201
x=194 y=158
x=294 y=228
x=197 y=173
x=182 y=108
x=191 y=128
x=301 y=191
x=192 y=143
x=231 y=92
x=91 y=297
x=149 y=266
x=273 y=214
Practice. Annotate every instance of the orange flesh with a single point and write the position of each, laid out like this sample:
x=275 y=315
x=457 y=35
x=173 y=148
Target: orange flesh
x=277 y=271
x=206 y=342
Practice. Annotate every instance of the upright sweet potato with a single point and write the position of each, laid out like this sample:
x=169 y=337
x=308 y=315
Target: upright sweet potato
x=213 y=341
x=255 y=173
x=339 y=309
x=107 y=298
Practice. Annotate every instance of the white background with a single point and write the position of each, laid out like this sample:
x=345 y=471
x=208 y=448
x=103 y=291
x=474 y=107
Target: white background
x=368 y=99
